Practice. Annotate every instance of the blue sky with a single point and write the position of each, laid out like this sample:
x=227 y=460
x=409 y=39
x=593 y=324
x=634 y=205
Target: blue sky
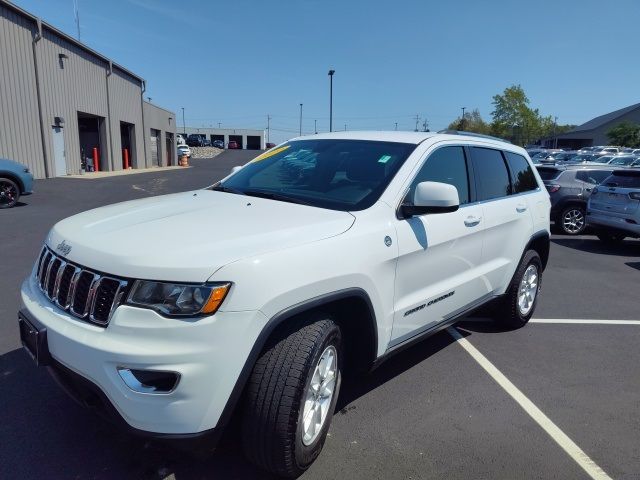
x=236 y=61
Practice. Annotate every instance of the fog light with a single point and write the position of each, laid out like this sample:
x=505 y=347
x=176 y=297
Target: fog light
x=149 y=381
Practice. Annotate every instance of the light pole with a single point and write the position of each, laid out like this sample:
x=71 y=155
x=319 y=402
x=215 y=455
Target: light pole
x=300 y=119
x=315 y=126
x=345 y=127
x=331 y=72
x=462 y=120
x=184 y=127
x=396 y=126
x=268 y=126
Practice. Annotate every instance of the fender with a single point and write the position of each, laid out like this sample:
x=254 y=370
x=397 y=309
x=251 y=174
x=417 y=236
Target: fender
x=541 y=240
x=277 y=320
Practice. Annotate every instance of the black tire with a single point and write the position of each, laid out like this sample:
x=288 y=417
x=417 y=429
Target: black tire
x=572 y=220
x=610 y=238
x=508 y=311
x=9 y=193
x=272 y=428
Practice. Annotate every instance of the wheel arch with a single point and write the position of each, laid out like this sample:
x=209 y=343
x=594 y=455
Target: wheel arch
x=540 y=242
x=360 y=335
x=13 y=177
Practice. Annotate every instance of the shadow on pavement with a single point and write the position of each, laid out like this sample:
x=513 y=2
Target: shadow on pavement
x=628 y=248
x=635 y=265
x=45 y=434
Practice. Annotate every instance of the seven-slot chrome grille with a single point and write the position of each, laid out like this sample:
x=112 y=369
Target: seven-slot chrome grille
x=84 y=293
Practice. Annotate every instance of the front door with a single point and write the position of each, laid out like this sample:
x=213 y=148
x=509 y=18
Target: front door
x=437 y=273
x=59 y=160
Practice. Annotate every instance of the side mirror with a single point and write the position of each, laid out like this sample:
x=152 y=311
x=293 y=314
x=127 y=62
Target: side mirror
x=236 y=169
x=432 y=197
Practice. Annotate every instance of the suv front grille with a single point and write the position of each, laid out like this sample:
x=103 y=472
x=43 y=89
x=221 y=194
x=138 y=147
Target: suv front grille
x=84 y=293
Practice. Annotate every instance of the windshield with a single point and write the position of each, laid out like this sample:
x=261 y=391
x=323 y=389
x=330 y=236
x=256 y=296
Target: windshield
x=622 y=161
x=335 y=174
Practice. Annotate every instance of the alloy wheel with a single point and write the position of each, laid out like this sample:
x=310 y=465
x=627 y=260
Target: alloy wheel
x=319 y=395
x=573 y=221
x=528 y=290
x=8 y=192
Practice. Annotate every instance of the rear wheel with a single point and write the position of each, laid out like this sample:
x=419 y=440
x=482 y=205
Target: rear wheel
x=610 y=238
x=9 y=193
x=519 y=302
x=291 y=397
x=572 y=220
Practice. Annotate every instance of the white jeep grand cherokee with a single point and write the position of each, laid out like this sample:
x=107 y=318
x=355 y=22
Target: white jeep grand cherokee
x=322 y=256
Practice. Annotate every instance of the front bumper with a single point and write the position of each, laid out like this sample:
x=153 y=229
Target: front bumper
x=208 y=353
x=612 y=222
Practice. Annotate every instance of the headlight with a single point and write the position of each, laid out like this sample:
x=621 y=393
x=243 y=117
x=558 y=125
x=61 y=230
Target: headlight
x=174 y=299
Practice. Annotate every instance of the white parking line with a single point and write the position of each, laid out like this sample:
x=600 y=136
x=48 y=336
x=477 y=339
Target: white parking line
x=585 y=321
x=575 y=452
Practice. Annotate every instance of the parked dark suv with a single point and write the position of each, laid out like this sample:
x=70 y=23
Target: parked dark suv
x=569 y=187
x=195 y=140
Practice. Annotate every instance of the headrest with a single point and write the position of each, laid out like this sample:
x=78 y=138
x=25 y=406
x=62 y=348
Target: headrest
x=362 y=169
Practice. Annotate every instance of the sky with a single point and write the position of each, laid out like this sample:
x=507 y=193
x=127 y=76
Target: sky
x=234 y=62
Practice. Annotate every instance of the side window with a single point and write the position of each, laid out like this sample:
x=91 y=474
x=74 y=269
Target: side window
x=491 y=173
x=521 y=173
x=445 y=165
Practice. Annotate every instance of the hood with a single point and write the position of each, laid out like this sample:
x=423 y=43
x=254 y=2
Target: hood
x=188 y=236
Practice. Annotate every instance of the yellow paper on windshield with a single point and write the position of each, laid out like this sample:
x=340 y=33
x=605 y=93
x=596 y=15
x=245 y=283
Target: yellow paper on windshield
x=270 y=153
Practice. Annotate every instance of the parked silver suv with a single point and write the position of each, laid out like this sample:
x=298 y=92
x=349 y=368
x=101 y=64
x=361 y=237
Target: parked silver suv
x=614 y=207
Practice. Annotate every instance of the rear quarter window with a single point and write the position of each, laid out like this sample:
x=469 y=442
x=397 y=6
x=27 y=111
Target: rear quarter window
x=521 y=173
x=623 y=180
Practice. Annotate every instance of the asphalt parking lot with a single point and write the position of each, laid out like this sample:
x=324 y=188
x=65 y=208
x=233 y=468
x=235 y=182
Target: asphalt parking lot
x=430 y=412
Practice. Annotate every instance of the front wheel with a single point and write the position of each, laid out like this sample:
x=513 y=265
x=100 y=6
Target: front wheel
x=9 y=193
x=291 y=396
x=519 y=302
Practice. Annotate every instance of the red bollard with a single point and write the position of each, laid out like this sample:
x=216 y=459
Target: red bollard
x=96 y=160
x=125 y=158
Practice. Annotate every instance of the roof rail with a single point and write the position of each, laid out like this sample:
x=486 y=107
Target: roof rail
x=472 y=134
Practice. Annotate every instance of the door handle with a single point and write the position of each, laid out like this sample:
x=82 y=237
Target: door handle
x=472 y=221
x=521 y=208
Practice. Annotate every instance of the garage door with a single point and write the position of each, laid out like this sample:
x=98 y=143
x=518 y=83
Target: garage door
x=155 y=147
x=253 y=142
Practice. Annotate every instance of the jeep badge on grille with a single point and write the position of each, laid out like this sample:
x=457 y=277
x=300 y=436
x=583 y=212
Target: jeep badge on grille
x=64 y=248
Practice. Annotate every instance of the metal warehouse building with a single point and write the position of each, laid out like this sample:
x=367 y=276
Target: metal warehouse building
x=64 y=106
x=246 y=138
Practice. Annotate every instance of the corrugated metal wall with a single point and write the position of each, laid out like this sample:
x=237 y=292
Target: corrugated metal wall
x=159 y=119
x=70 y=85
x=20 y=138
x=125 y=102
x=72 y=80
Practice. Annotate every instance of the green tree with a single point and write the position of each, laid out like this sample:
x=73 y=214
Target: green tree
x=473 y=122
x=625 y=134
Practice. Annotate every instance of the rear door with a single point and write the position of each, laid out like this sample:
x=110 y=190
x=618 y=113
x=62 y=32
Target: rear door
x=508 y=219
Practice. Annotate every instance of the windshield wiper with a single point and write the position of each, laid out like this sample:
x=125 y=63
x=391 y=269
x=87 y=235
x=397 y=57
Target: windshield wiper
x=275 y=196
x=222 y=188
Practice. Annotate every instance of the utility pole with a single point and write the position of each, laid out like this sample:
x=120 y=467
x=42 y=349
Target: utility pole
x=331 y=72
x=268 y=126
x=315 y=126
x=425 y=126
x=555 y=138
x=462 y=120
x=300 y=119
x=184 y=126
x=219 y=123
x=396 y=126
x=345 y=127
x=417 y=122
x=76 y=11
